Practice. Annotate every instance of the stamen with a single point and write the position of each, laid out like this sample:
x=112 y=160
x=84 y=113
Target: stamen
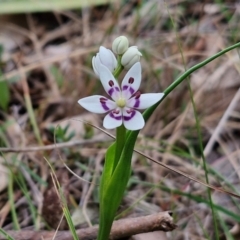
x=103 y=100
x=137 y=95
x=115 y=111
x=121 y=102
x=131 y=80
x=111 y=83
x=129 y=111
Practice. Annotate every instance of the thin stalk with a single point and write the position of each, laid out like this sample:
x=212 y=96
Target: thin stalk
x=204 y=163
x=5 y=234
x=197 y=66
x=225 y=228
x=11 y=200
x=147 y=113
x=205 y=233
x=29 y=105
x=196 y=198
x=22 y=184
x=32 y=118
x=25 y=6
x=118 y=70
x=199 y=134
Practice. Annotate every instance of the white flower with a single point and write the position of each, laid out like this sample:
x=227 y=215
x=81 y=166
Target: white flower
x=130 y=57
x=125 y=100
x=120 y=45
x=104 y=57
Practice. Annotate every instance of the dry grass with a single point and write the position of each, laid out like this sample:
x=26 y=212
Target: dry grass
x=47 y=57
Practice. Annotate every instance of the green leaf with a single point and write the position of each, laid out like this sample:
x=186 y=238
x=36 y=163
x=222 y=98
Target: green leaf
x=24 y=6
x=5 y=234
x=108 y=167
x=113 y=185
x=106 y=177
x=4 y=95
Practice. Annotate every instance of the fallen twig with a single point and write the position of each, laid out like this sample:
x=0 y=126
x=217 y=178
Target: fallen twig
x=120 y=229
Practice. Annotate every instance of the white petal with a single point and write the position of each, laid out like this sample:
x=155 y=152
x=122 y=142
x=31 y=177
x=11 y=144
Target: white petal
x=97 y=104
x=109 y=82
x=132 y=119
x=130 y=57
x=96 y=63
x=145 y=100
x=107 y=58
x=132 y=80
x=113 y=119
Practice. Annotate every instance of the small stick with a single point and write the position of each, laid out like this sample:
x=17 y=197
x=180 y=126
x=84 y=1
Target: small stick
x=122 y=228
x=54 y=146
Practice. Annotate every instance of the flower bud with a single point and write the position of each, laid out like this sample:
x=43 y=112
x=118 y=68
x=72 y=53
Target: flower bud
x=120 y=45
x=130 y=57
x=104 y=57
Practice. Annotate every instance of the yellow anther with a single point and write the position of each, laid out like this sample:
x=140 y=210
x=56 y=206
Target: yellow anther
x=121 y=102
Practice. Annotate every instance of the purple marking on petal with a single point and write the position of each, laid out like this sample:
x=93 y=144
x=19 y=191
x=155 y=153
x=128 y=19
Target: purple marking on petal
x=137 y=103
x=110 y=92
x=111 y=83
x=115 y=117
x=103 y=100
x=131 y=80
x=115 y=111
x=137 y=94
x=132 y=114
x=130 y=89
x=105 y=107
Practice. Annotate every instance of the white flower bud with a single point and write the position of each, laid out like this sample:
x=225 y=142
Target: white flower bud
x=120 y=45
x=130 y=57
x=104 y=57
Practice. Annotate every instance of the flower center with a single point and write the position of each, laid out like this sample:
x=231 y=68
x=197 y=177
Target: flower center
x=121 y=102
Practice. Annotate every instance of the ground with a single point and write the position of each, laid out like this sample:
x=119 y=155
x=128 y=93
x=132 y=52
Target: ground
x=46 y=67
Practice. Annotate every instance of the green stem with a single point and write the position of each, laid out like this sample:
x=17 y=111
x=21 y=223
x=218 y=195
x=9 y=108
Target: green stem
x=12 y=205
x=169 y=89
x=119 y=67
x=32 y=118
x=120 y=141
x=214 y=214
x=117 y=71
x=197 y=66
x=26 y=6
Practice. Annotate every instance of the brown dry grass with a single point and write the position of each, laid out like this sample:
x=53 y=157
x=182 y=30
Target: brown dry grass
x=41 y=49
